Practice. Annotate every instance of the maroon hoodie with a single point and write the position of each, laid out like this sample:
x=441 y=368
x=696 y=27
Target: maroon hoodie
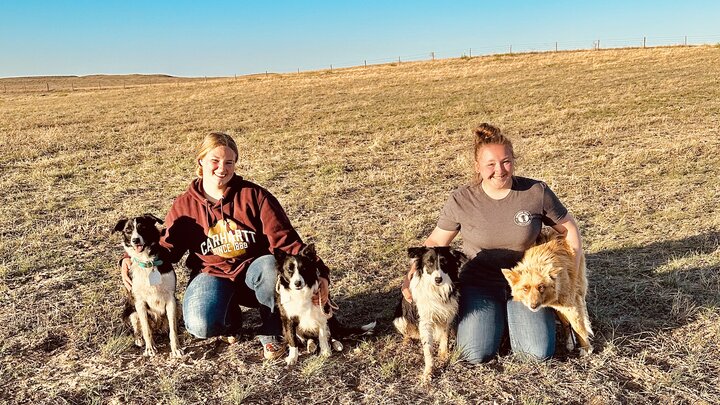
x=225 y=237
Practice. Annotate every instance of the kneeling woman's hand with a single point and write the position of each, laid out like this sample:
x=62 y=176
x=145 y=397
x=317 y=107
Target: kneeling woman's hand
x=125 y=264
x=405 y=287
x=323 y=293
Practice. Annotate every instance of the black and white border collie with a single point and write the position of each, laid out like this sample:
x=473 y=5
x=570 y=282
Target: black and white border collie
x=151 y=305
x=303 y=321
x=434 y=304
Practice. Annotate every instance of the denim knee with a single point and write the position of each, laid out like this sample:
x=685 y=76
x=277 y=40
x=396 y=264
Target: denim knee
x=481 y=324
x=532 y=334
x=208 y=306
x=261 y=277
x=202 y=327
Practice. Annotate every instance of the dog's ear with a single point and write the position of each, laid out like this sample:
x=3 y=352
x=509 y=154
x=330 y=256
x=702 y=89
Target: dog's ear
x=153 y=218
x=511 y=276
x=280 y=256
x=416 y=252
x=553 y=274
x=459 y=256
x=120 y=225
x=309 y=251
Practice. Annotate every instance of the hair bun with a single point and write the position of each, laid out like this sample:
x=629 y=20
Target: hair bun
x=485 y=132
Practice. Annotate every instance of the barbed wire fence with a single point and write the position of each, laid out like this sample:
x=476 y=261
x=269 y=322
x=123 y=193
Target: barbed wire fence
x=72 y=83
x=532 y=47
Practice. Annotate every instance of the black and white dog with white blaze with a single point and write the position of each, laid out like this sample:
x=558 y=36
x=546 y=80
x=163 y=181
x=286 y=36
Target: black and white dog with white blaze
x=151 y=305
x=435 y=296
x=303 y=321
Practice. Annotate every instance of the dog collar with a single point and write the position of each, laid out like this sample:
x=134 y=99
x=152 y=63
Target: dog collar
x=148 y=264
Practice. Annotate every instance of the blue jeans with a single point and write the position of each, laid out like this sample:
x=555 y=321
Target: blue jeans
x=211 y=304
x=486 y=312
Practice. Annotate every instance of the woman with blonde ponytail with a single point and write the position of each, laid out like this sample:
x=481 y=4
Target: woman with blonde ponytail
x=499 y=216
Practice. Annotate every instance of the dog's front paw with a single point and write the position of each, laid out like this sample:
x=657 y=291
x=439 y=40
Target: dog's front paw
x=443 y=357
x=177 y=353
x=150 y=351
x=584 y=351
x=325 y=352
x=291 y=360
x=336 y=345
x=293 y=355
x=139 y=342
x=311 y=346
x=426 y=376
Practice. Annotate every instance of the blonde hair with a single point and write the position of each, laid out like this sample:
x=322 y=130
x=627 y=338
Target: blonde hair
x=212 y=141
x=486 y=134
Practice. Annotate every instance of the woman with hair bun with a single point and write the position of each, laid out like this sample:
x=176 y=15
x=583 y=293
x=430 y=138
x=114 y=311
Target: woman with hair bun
x=231 y=228
x=499 y=216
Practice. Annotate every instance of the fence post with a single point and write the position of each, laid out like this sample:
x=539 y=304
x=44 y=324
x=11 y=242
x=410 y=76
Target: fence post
x=470 y=52
x=644 y=42
x=331 y=67
x=398 y=60
x=510 y=49
x=72 y=85
x=47 y=85
x=685 y=40
x=432 y=54
x=236 y=76
x=123 y=84
x=555 y=46
x=365 y=62
x=298 y=70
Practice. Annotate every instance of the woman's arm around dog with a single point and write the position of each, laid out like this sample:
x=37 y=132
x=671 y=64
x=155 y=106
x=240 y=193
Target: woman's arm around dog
x=571 y=231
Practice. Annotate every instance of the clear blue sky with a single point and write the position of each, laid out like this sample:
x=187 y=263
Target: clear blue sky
x=222 y=38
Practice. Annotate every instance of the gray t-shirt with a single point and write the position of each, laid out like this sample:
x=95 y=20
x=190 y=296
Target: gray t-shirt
x=496 y=233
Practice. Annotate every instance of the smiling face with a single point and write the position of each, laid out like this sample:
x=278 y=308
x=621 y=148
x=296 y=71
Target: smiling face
x=494 y=163
x=218 y=167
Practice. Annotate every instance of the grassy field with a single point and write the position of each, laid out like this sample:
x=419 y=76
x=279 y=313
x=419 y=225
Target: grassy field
x=362 y=159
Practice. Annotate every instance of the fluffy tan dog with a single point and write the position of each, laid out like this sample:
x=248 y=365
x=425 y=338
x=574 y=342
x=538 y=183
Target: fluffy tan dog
x=547 y=277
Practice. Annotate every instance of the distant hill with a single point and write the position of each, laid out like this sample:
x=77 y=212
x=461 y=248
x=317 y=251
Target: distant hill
x=53 y=83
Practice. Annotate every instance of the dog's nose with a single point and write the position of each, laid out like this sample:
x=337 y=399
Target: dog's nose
x=438 y=280
x=135 y=241
x=534 y=305
x=298 y=283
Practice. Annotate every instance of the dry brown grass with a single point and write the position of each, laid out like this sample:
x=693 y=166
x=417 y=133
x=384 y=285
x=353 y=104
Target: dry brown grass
x=362 y=159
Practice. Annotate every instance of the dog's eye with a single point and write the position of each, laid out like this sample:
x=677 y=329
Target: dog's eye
x=541 y=288
x=526 y=288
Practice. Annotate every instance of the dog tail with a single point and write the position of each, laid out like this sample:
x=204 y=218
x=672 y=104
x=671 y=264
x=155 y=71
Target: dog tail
x=338 y=330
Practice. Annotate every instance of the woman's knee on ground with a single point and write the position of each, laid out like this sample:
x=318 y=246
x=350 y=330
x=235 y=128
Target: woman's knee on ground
x=203 y=326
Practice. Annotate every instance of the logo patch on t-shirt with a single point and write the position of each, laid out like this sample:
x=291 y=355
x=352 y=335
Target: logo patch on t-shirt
x=523 y=218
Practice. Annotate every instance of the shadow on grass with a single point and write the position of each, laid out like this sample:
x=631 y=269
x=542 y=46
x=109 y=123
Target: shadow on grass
x=648 y=288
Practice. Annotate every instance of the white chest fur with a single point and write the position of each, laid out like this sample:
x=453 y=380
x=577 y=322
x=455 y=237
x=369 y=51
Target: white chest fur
x=434 y=302
x=156 y=296
x=298 y=303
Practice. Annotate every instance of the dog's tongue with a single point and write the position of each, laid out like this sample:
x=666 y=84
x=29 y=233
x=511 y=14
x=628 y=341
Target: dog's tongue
x=139 y=248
